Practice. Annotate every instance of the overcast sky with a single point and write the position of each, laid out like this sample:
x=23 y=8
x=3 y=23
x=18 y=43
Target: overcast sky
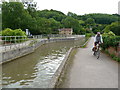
x=80 y=7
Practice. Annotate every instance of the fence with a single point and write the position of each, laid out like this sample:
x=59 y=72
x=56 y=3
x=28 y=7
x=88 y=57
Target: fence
x=56 y=36
x=12 y=42
x=15 y=42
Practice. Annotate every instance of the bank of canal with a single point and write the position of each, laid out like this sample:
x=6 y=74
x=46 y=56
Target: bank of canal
x=36 y=69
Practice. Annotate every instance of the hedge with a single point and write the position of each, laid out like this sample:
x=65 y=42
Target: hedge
x=16 y=32
x=110 y=41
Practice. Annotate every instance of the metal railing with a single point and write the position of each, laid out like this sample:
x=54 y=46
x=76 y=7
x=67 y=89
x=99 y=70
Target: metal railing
x=5 y=40
x=56 y=36
x=12 y=42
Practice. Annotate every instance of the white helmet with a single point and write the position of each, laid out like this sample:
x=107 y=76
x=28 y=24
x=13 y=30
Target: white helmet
x=98 y=32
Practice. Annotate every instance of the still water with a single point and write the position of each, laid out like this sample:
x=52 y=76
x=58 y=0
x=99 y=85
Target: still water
x=36 y=70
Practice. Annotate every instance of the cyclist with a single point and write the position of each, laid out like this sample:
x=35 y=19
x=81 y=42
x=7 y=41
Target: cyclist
x=97 y=40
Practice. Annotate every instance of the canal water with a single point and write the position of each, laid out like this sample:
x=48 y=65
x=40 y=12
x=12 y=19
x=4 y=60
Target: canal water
x=36 y=70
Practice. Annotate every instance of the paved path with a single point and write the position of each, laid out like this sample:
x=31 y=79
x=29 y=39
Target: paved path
x=89 y=72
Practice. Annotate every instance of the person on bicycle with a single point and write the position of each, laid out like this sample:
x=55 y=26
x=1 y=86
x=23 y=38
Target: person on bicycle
x=97 y=40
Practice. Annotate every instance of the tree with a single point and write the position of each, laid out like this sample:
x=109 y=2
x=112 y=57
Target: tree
x=10 y=32
x=15 y=16
x=81 y=22
x=98 y=28
x=70 y=22
x=114 y=27
x=100 y=18
x=31 y=8
x=55 y=25
x=108 y=34
x=57 y=15
x=72 y=15
x=90 y=21
x=25 y=15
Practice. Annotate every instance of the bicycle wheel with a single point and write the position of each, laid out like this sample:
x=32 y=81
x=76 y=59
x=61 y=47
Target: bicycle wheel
x=94 y=53
x=98 y=54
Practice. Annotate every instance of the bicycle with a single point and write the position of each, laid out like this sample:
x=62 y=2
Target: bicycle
x=97 y=51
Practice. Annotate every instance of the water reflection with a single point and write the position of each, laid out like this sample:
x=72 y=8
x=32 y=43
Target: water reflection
x=36 y=69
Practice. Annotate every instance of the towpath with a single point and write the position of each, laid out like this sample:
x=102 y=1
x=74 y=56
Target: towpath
x=89 y=72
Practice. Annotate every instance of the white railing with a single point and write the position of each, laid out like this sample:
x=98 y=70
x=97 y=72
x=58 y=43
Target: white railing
x=56 y=36
x=5 y=40
x=12 y=42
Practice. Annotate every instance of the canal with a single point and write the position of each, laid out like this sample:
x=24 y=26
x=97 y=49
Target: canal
x=36 y=70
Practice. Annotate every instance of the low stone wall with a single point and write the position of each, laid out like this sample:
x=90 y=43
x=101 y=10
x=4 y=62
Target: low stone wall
x=114 y=51
x=13 y=54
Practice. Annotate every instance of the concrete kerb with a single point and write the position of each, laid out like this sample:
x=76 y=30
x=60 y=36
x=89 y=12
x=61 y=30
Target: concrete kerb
x=85 y=42
x=57 y=74
x=59 y=70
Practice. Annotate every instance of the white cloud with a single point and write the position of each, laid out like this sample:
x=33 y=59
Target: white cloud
x=80 y=6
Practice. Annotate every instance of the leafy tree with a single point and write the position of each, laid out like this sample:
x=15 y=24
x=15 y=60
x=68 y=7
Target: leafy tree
x=45 y=26
x=70 y=22
x=55 y=25
x=114 y=27
x=7 y=32
x=31 y=8
x=18 y=32
x=72 y=15
x=100 y=18
x=15 y=16
x=57 y=15
x=108 y=34
x=90 y=21
x=10 y=32
x=81 y=22
x=25 y=15
x=98 y=28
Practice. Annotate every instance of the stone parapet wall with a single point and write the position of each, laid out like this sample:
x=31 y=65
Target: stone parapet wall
x=13 y=54
x=114 y=51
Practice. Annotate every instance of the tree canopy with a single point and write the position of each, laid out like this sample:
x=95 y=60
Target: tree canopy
x=101 y=18
x=17 y=15
x=114 y=27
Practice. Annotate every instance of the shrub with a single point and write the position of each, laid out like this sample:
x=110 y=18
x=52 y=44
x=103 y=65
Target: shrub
x=88 y=34
x=7 y=32
x=110 y=33
x=10 y=32
x=112 y=41
x=19 y=32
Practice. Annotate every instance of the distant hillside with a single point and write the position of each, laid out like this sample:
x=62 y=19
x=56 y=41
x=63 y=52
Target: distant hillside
x=101 y=18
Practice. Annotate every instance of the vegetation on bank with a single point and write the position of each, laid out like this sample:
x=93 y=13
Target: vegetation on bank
x=10 y=32
x=113 y=56
x=111 y=40
x=20 y=35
